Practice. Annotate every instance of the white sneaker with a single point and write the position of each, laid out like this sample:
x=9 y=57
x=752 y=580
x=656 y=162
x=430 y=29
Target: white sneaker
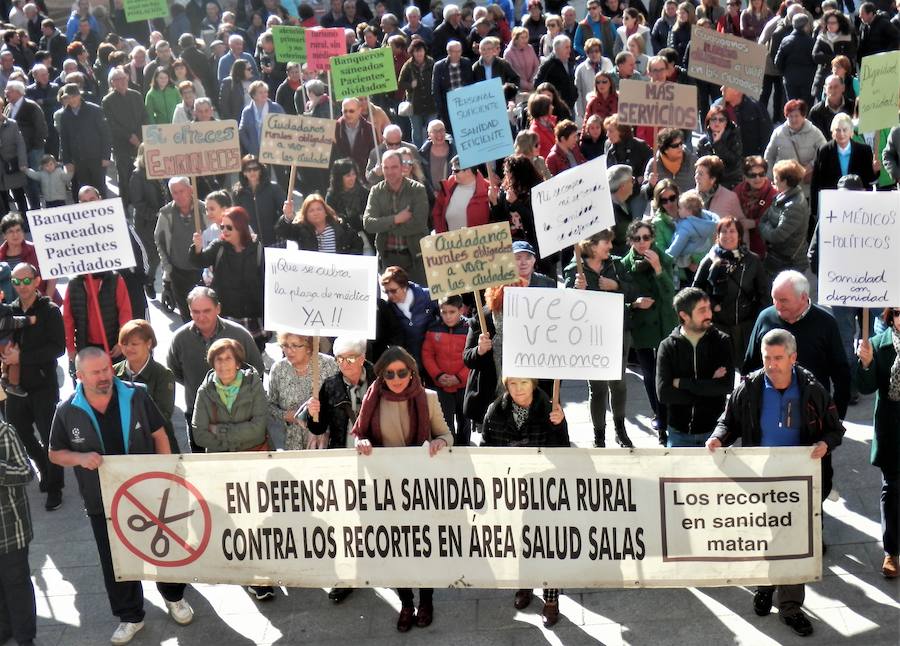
x=180 y=611
x=126 y=632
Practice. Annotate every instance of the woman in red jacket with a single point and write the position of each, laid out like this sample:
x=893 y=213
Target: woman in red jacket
x=540 y=111
x=442 y=356
x=565 y=153
x=462 y=200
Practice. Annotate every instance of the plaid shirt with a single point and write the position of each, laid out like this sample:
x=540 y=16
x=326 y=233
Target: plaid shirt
x=15 y=473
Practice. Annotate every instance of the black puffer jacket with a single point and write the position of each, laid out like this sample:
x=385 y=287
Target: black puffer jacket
x=264 y=208
x=730 y=149
x=739 y=294
x=336 y=415
x=346 y=240
x=500 y=427
x=237 y=277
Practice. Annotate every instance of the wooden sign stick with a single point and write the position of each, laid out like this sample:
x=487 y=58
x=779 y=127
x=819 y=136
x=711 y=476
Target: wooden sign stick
x=314 y=367
x=198 y=226
x=330 y=96
x=579 y=263
x=479 y=305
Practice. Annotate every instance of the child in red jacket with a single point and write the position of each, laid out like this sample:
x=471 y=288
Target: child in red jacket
x=442 y=356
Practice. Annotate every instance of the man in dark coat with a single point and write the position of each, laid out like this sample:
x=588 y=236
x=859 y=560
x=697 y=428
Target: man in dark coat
x=125 y=113
x=43 y=92
x=33 y=127
x=795 y=62
x=197 y=62
x=489 y=48
x=353 y=136
x=451 y=29
x=835 y=102
x=449 y=73
x=54 y=42
x=877 y=34
x=751 y=118
x=558 y=71
x=84 y=141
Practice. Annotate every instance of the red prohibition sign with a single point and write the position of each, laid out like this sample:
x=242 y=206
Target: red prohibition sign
x=193 y=552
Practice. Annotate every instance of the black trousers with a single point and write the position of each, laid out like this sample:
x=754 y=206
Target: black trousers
x=36 y=410
x=126 y=598
x=407 y=599
x=124 y=168
x=18 y=614
x=183 y=281
x=89 y=172
x=18 y=196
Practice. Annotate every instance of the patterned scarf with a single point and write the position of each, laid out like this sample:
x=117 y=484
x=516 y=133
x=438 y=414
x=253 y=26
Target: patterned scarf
x=230 y=392
x=368 y=424
x=725 y=263
x=894 y=386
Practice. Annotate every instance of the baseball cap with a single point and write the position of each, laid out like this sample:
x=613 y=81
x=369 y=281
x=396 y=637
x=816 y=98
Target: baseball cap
x=523 y=245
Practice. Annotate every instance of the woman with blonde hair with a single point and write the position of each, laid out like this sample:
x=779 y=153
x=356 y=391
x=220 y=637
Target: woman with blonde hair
x=632 y=24
x=522 y=58
x=316 y=227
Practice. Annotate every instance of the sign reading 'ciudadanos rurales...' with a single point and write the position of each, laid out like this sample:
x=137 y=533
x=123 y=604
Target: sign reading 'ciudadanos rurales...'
x=81 y=238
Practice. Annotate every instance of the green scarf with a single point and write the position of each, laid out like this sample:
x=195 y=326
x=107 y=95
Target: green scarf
x=230 y=392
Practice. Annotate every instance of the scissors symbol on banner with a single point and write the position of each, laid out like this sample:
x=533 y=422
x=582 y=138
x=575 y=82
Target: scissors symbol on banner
x=160 y=543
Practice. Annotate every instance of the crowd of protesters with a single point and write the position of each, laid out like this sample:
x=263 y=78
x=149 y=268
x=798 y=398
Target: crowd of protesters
x=713 y=244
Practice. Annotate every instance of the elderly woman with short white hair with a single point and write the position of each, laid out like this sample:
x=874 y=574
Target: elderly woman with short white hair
x=841 y=156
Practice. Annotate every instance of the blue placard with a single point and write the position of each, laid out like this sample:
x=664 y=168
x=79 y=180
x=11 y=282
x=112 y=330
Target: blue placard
x=481 y=129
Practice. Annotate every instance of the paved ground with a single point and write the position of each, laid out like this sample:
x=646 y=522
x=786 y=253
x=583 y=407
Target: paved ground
x=853 y=604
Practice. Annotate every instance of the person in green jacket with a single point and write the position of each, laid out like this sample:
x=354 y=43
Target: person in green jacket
x=162 y=99
x=664 y=209
x=652 y=313
x=603 y=271
x=878 y=371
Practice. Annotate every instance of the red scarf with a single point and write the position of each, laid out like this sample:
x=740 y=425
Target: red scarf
x=368 y=424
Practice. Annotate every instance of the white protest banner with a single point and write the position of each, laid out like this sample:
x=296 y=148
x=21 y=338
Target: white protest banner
x=320 y=294
x=296 y=140
x=469 y=259
x=729 y=60
x=661 y=105
x=859 y=234
x=81 y=238
x=473 y=517
x=572 y=206
x=192 y=149
x=553 y=333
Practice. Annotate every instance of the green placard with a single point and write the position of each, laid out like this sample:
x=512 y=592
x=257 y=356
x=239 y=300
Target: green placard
x=290 y=44
x=137 y=10
x=363 y=73
x=879 y=83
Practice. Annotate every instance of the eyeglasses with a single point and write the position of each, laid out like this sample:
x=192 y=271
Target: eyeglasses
x=227 y=227
x=349 y=360
x=675 y=144
x=718 y=119
x=601 y=82
x=21 y=281
x=754 y=175
x=392 y=144
x=403 y=373
x=252 y=169
x=293 y=346
x=642 y=238
x=667 y=200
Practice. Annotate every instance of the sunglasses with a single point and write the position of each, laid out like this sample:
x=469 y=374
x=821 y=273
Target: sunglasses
x=21 y=281
x=252 y=169
x=754 y=175
x=403 y=373
x=895 y=312
x=667 y=200
x=349 y=360
x=227 y=227
x=718 y=119
x=642 y=238
x=602 y=82
x=675 y=144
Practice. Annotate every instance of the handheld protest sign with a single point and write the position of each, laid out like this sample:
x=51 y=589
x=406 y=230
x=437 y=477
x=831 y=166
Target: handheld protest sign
x=140 y=10
x=481 y=131
x=363 y=73
x=572 y=206
x=661 y=105
x=879 y=84
x=315 y=372
x=81 y=238
x=724 y=59
x=551 y=333
x=296 y=140
x=290 y=43
x=321 y=45
x=858 y=236
x=320 y=294
x=191 y=149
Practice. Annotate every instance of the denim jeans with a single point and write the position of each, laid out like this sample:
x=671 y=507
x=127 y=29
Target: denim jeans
x=418 y=123
x=677 y=439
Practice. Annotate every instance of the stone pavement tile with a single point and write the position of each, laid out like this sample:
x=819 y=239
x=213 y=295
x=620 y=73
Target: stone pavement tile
x=79 y=609
x=854 y=591
x=605 y=635
x=623 y=606
x=852 y=557
x=693 y=632
x=98 y=634
x=838 y=531
x=500 y=615
x=450 y=618
x=875 y=625
x=68 y=580
x=227 y=630
x=60 y=555
x=726 y=600
x=49 y=635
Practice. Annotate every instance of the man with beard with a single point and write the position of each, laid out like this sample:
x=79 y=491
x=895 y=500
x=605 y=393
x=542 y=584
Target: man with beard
x=694 y=371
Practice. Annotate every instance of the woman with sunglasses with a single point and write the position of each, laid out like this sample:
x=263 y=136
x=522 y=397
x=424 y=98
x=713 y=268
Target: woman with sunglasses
x=672 y=161
x=262 y=199
x=411 y=308
x=290 y=387
x=397 y=411
x=723 y=139
x=236 y=260
x=604 y=102
x=878 y=371
x=664 y=209
x=736 y=283
x=316 y=227
x=650 y=306
x=756 y=194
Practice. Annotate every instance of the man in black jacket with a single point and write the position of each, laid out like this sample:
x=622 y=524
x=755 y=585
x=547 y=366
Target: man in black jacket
x=780 y=405
x=451 y=29
x=823 y=113
x=751 y=118
x=33 y=126
x=54 y=42
x=84 y=141
x=694 y=371
x=125 y=113
x=489 y=48
x=876 y=32
x=559 y=72
x=36 y=350
x=450 y=73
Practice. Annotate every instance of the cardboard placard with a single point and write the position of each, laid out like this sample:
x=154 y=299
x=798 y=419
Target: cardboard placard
x=192 y=149
x=469 y=259
x=363 y=73
x=879 y=86
x=290 y=43
x=572 y=206
x=551 y=333
x=729 y=60
x=138 y=10
x=322 y=294
x=660 y=105
x=859 y=238
x=296 y=140
x=81 y=238
x=322 y=44
x=520 y=517
x=481 y=130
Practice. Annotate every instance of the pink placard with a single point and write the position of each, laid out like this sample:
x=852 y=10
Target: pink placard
x=322 y=44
